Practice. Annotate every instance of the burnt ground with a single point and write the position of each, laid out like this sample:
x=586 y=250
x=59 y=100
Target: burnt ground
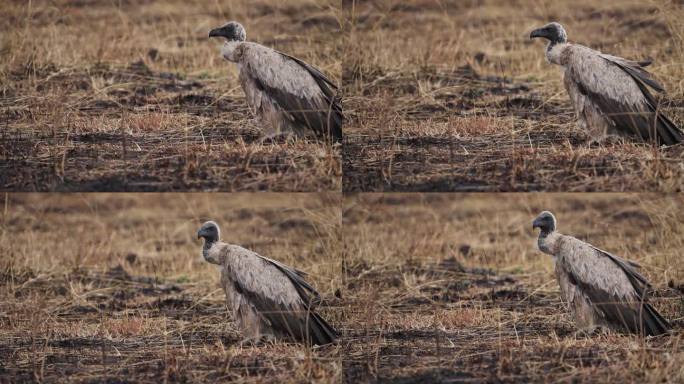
x=219 y=146
x=127 y=328
x=147 y=104
x=527 y=341
x=469 y=105
x=535 y=148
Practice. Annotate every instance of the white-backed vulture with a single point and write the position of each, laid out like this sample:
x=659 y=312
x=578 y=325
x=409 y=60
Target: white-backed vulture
x=286 y=94
x=610 y=94
x=268 y=299
x=601 y=290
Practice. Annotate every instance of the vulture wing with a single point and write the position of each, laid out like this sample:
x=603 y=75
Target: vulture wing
x=280 y=295
x=619 y=88
x=613 y=286
x=308 y=293
x=636 y=70
x=297 y=88
x=638 y=281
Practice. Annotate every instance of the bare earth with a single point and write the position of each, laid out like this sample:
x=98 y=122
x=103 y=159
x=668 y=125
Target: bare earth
x=134 y=96
x=454 y=96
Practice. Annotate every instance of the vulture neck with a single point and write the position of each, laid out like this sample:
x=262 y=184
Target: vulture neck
x=554 y=51
x=548 y=242
x=229 y=50
x=208 y=243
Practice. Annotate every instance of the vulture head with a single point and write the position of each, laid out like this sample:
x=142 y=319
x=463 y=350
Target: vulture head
x=210 y=232
x=233 y=31
x=545 y=221
x=553 y=32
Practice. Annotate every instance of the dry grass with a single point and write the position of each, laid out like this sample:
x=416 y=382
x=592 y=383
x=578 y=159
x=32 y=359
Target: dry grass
x=96 y=287
x=452 y=95
x=129 y=96
x=451 y=287
x=101 y=287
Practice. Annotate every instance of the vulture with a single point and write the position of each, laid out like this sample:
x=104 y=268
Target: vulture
x=610 y=94
x=269 y=300
x=287 y=95
x=600 y=289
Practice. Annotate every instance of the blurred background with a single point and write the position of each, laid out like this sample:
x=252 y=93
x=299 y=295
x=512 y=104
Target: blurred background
x=495 y=230
x=165 y=35
x=493 y=36
x=54 y=233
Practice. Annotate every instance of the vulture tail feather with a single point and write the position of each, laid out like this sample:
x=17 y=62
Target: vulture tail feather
x=654 y=323
x=320 y=332
x=666 y=131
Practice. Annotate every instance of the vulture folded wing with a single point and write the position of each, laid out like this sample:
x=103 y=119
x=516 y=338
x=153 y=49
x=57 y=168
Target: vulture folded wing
x=667 y=131
x=636 y=70
x=319 y=330
x=638 y=281
x=297 y=88
x=335 y=117
x=613 y=286
x=619 y=88
x=327 y=86
x=277 y=297
x=308 y=294
x=655 y=323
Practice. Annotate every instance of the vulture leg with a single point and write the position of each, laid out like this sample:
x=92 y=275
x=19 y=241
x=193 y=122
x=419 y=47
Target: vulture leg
x=589 y=117
x=585 y=316
x=252 y=326
x=248 y=322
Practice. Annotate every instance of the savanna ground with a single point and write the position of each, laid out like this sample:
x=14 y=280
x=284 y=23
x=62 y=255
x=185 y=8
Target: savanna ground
x=133 y=96
x=451 y=287
x=112 y=288
x=453 y=96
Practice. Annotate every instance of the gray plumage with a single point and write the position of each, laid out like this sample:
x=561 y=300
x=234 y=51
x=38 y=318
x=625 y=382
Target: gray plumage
x=267 y=299
x=600 y=289
x=286 y=94
x=610 y=94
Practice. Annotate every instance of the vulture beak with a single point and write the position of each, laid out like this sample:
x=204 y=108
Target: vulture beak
x=541 y=32
x=199 y=234
x=536 y=224
x=217 y=32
